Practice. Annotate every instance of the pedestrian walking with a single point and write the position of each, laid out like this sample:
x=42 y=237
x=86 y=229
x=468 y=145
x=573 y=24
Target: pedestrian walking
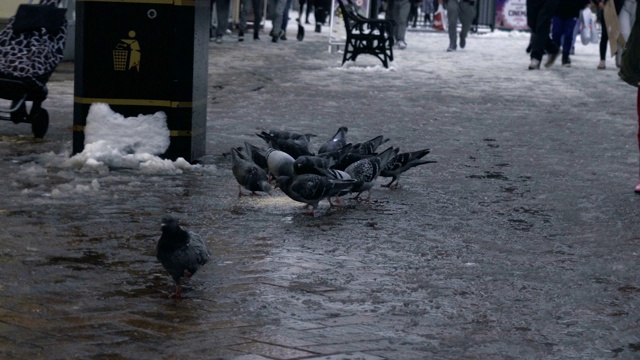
x=257 y=6
x=276 y=11
x=604 y=36
x=539 y=15
x=222 y=16
x=563 y=25
x=398 y=12
x=463 y=11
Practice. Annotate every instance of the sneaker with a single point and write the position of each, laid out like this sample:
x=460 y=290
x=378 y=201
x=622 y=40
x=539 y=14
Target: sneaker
x=402 y=45
x=218 y=39
x=276 y=36
x=256 y=36
x=637 y=188
x=283 y=37
x=318 y=28
x=463 y=42
x=566 y=62
x=551 y=58
x=601 y=65
x=241 y=35
x=535 y=64
x=451 y=48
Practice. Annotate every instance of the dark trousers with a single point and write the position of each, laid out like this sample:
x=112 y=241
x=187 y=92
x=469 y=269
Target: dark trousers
x=539 y=15
x=562 y=34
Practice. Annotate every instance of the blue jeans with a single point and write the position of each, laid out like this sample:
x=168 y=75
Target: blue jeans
x=562 y=33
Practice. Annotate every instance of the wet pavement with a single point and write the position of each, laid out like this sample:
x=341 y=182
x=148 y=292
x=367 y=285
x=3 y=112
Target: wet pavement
x=522 y=242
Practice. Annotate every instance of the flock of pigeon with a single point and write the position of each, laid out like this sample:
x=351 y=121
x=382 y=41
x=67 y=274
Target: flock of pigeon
x=337 y=169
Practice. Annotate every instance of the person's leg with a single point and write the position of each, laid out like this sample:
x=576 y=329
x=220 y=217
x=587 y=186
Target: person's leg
x=402 y=7
x=285 y=15
x=276 y=7
x=244 y=11
x=557 y=30
x=222 y=8
x=567 y=42
x=258 y=6
x=604 y=43
x=468 y=13
x=453 y=12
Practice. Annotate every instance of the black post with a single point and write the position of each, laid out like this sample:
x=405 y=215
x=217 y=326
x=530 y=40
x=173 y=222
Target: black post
x=143 y=57
x=374 y=9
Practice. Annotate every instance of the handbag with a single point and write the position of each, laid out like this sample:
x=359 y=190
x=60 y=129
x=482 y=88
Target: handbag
x=440 y=19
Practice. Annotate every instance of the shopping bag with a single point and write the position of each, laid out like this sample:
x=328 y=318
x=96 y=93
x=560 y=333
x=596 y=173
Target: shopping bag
x=616 y=40
x=440 y=19
x=587 y=25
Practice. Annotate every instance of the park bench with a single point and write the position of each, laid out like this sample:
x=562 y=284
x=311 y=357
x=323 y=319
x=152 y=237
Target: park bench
x=364 y=35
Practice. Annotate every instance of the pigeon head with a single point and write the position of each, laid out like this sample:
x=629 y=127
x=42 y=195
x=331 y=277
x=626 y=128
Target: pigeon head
x=170 y=224
x=173 y=236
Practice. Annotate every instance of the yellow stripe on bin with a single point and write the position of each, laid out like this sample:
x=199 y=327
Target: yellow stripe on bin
x=172 y=133
x=159 y=2
x=139 y=102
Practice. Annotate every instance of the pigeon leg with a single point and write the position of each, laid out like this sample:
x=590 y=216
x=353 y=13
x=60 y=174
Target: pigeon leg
x=388 y=185
x=239 y=191
x=178 y=293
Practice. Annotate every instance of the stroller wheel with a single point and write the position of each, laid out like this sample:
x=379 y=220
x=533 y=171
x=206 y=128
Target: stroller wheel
x=40 y=123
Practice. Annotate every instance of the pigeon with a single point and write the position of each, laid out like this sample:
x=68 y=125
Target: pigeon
x=370 y=146
x=306 y=164
x=295 y=146
x=337 y=142
x=349 y=159
x=180 y=252
x=248 y=174
x=311 y=188
x=403 y=162
x=366 y=171
x=257 y=154
x=288 y=135
x=279 y=163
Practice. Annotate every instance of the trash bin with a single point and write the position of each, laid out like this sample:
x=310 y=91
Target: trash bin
x=141 y=57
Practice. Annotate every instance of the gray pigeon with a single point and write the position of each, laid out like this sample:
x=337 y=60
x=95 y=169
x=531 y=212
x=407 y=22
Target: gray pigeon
x=368 y=147
x=279 y=163
x=311 y=188
x=306 y=164
x=337 y=142
x=403 y=162
x=181 y=252
x=257 y=154
x=248 y=174
x=294 y=146
x=366 y=171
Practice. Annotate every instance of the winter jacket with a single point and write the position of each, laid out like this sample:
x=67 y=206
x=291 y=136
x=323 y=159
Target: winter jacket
x=568 y=9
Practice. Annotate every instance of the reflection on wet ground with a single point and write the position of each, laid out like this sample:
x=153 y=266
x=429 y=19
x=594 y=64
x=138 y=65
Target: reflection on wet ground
x=510 y=247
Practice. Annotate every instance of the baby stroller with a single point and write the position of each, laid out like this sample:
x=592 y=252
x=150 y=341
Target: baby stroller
x=31 y=46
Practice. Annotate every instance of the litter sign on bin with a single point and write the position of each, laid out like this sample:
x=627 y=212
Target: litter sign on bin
x=126 y=55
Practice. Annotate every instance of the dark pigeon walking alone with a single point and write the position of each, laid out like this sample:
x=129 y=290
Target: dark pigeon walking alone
x=181 y=252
